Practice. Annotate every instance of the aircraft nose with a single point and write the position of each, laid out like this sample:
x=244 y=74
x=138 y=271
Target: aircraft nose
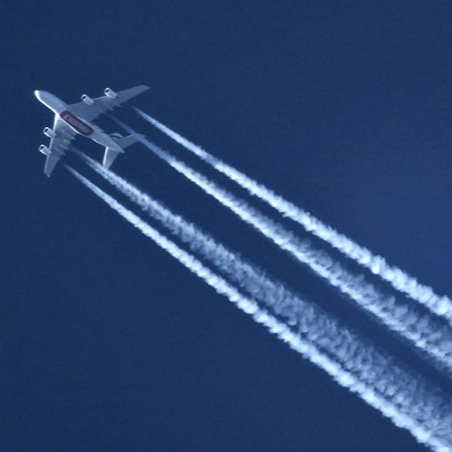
x=37 y=94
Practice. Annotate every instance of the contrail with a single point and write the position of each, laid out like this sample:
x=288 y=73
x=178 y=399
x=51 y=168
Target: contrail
x=399 y=279
x=410 y=403
x=251 y=278
x=427 y=333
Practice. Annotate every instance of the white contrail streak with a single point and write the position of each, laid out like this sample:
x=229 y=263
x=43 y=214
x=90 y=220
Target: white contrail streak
x=399 y=279
x=411 y=403
x=251 y=278
x=425 y=332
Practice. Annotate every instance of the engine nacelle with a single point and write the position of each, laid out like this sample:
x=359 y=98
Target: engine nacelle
x=48 y=132
x=110 y=93
x=87 y=99
x=43 y=149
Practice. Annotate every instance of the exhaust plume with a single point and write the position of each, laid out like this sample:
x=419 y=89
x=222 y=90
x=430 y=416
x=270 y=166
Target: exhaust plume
x=410 y=402
x=426 y=333
x=399 y=279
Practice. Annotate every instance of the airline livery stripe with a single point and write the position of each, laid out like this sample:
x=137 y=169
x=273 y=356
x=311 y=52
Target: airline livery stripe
x=77 y=124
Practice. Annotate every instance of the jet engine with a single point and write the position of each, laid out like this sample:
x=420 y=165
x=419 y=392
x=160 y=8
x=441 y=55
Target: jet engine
x=87 y=99
x=110 y=93
x=43 y=149
x=48 y=132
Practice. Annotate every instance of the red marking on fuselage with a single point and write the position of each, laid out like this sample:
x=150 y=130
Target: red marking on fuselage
x=76 y=123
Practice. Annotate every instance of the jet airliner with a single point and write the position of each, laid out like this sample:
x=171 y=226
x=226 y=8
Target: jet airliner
x=78 y=118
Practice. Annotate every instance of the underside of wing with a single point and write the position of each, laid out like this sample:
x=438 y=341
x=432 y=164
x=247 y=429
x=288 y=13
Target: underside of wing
x=90 y=109
x=59 y=143
x=51 y=163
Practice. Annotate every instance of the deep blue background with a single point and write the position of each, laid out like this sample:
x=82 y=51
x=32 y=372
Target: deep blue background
x=344 y=107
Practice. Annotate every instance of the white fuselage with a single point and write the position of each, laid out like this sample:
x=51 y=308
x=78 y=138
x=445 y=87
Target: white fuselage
x=82 y=127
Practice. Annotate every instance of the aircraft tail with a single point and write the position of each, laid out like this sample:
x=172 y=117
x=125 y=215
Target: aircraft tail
x=123 y=142
x=127 y=141
x=110 y=156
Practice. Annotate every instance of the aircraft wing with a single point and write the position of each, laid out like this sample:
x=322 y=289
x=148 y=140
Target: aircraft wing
x=58 y=144
x=105 y=103
x=51 y=162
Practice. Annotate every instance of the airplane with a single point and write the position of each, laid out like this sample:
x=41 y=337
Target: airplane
x=74 y=119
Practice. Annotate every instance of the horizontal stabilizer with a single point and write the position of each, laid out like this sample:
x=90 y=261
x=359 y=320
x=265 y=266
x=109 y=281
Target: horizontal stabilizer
x=127 y=141
x=110 y=156
x=123 y=142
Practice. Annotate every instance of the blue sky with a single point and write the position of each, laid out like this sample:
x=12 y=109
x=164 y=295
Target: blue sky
x=107 y=342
